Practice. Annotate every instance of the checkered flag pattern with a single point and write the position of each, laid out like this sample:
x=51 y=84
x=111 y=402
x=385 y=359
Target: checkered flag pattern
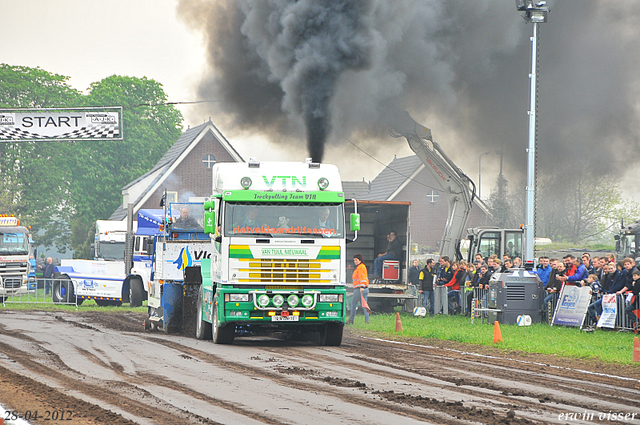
x=98 y=131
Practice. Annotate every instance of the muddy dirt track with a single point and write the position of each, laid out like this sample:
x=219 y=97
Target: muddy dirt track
x=102 y=368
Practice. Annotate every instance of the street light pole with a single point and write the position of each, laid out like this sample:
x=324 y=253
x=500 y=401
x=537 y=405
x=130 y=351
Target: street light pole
x=536 y=13
x=480 y=174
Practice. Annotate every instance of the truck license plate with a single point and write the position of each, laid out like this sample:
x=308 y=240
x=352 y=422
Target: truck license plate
x=284 y=318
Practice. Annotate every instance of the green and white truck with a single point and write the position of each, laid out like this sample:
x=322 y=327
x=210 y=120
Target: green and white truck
x=278 y=252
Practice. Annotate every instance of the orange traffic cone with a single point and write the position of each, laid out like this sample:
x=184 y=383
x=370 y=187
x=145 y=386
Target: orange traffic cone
x=398 y=323
x=497 y=335
x=636 y=350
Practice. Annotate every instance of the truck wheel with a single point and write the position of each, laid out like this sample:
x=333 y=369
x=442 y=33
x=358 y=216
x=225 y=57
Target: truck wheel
x=222 y=334
x=332 y=335
x=203 y=329
x=136 y=293
x=62 y=291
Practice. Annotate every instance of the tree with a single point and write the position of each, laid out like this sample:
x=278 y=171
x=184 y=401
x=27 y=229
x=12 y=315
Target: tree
x=61 y=188
x=100 y=169
x=581 y=207
x=31 y=178
x=500 y=204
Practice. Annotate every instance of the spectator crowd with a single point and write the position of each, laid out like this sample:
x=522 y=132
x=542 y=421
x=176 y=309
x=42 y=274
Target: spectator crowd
x=450 y=287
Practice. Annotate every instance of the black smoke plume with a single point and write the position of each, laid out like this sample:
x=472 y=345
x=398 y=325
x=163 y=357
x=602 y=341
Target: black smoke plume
x=459 y=67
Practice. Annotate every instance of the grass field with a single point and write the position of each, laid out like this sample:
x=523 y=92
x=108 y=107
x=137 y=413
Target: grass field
x=607 y=346
x=39 y=301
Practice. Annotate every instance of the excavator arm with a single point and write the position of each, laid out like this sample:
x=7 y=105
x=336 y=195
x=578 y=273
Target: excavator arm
x=458 y=188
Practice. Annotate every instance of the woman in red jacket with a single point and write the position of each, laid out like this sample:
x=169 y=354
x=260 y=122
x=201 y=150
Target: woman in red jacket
x=360 y=289
x=460 y=271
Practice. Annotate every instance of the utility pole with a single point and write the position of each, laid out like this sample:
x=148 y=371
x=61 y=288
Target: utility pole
x=535 y=12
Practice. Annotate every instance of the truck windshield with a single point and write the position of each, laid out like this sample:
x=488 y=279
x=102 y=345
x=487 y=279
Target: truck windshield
x=284 y=220
x=14 y=243
x=627 y=244
x=111 y=251
x=187 y=216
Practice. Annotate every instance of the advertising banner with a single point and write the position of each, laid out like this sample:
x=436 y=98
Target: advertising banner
x=60 y=124
x=572 y=305
x=609 y=311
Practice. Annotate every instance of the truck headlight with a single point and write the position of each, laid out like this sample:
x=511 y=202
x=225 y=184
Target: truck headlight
x=263 y=300
x=278 y=300
x=307 y=300
x=293 y=300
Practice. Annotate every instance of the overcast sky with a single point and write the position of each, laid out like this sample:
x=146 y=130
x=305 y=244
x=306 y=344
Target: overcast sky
x=464 y=66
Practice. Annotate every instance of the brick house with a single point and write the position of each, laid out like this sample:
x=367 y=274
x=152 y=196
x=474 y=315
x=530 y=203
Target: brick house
x=183 y=172
x=407 y=179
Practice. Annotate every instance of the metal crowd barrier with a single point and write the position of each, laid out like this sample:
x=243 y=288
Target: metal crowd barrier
x=37 y=293
x=480 y=304
x=623 y=321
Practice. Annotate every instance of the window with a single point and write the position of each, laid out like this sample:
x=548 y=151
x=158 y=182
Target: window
x=208 y=160
x=513 y=241
x=172 y=197
x=489 y=244
x=432 y=196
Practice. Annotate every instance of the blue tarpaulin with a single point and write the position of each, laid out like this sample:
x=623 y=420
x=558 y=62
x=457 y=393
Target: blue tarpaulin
x=149 y=222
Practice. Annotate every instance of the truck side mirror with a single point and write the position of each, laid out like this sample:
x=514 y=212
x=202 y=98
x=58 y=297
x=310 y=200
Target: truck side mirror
x=92 y=252
x=209 y=217
x=355 y=222
x=148 y=246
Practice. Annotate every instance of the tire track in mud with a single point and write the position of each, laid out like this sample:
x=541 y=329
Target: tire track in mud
x=503 y=369
x=503 y=395
x=489 y=370
x=101 y=392
x=441 y=412
x=17 y=388
x=318 y=370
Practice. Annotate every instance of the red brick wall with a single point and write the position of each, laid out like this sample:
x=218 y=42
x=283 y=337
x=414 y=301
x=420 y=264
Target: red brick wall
x=428 y=219
x=191 y=177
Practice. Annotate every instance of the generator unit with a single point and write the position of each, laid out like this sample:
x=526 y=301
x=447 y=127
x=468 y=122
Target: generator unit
x=514 y=293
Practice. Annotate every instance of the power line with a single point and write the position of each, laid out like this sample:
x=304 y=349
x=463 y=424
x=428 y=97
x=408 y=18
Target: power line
x=173 y=103
x=386 y=166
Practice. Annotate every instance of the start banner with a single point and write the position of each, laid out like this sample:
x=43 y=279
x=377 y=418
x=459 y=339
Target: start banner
x=60 y=124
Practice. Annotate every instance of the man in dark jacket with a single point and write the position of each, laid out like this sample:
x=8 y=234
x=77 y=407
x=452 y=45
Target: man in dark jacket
x=554 y=286
x=48 y=273
x=426 y=278
x=445 y=274
x=392 y=252
x=414 y=273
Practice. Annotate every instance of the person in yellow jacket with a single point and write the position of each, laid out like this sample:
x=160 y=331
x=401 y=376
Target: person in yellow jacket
x=360 y=289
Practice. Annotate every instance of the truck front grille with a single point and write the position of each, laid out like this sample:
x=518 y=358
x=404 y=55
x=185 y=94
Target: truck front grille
x=283 y=270
x=12 y=281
